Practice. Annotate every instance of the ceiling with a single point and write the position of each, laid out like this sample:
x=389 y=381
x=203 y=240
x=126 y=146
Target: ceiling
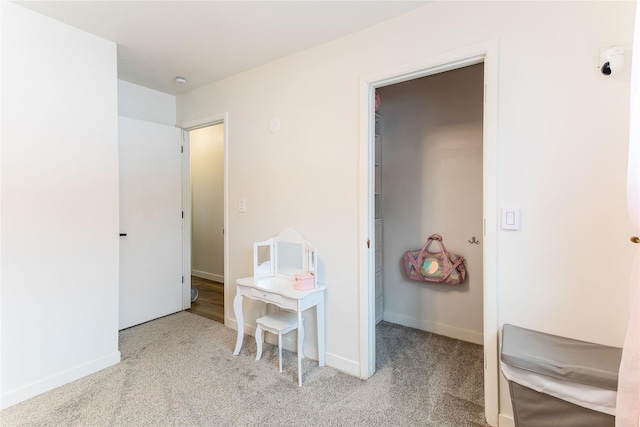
x=206 y=41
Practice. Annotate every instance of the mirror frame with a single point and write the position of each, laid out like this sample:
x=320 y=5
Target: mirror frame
x=257 y=271
x=308 y=254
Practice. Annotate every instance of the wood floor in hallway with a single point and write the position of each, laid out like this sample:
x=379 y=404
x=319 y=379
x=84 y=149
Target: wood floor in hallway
x=210 y=302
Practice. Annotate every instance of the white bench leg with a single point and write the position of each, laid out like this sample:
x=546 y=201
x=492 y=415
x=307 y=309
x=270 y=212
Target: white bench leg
x=280 y=351
x=259 y=340
x=300 y=355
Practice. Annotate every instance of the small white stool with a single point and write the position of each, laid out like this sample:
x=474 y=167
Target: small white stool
x=279 y=322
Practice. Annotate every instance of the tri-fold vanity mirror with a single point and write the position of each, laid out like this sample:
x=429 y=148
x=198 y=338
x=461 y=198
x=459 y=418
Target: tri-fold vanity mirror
x=284 y=256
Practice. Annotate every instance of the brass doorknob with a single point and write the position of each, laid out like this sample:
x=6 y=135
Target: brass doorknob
x=635 y=239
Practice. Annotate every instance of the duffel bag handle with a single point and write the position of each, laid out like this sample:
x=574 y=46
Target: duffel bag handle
x=445 y=255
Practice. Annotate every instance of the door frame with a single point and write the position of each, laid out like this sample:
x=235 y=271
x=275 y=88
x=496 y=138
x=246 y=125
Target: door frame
x=487 y=53
x=216 y=119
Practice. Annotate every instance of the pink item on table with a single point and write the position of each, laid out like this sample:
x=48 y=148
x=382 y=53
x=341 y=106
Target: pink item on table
x=305 y=281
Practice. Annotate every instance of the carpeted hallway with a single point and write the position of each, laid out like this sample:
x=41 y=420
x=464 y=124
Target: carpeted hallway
x=179 y=371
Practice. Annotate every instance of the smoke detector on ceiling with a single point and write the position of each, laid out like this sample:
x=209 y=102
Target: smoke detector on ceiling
x=181 y=80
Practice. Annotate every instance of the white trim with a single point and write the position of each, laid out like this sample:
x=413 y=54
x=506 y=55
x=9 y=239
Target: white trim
x=208 y=276
x=506 y=421
x=186 y=221
x=289 y=343
x=436 y=328
x=342 y=364
x=43 y=385
x=486 y=52
x=186 y=182
x=366 y=231
x=490 y=249
x=203 y=122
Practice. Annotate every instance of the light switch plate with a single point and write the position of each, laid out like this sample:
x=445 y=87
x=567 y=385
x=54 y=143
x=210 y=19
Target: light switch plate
x=510 y=218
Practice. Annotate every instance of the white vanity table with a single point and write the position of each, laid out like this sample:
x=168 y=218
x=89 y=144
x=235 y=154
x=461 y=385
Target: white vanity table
x=276 y=261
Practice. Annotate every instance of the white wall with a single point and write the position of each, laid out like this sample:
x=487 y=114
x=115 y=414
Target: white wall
x=432 y=183
x=59 y=215
x=139 y=102
x=206 y=147
x=562 y=147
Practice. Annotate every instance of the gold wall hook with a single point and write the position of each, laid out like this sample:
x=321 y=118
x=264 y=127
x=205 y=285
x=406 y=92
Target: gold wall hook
x=473 y=241
x=635 y=239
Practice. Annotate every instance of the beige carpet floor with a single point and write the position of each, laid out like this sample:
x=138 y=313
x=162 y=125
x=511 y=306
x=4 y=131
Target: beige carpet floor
x=179 y=371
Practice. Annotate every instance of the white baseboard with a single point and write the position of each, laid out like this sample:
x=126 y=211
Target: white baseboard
x=344 y=365
x=289 y=343
x=209 y=276
x=436 y=328
x=28 y=391
x=506 y=421
x=353 y=368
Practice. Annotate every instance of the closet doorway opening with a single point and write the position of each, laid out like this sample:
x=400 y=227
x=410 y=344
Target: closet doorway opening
x=398 y=233
x=204 y=186
x=428 y=180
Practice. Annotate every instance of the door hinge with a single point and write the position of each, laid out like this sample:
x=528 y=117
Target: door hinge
x=181 y=149
x=182 y=279
x=368 y=243
x=182 y=214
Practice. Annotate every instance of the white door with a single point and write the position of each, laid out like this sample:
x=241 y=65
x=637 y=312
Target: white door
x=151 y=217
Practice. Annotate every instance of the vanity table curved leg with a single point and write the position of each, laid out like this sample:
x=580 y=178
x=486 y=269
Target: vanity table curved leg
x=300 y=341
x=320 y=332
x=237 y=308
x=259 y=340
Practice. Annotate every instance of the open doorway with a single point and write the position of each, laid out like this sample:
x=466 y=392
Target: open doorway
x=485 y=54
x=428 y=171
x=429 y=181
x=206 y=153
